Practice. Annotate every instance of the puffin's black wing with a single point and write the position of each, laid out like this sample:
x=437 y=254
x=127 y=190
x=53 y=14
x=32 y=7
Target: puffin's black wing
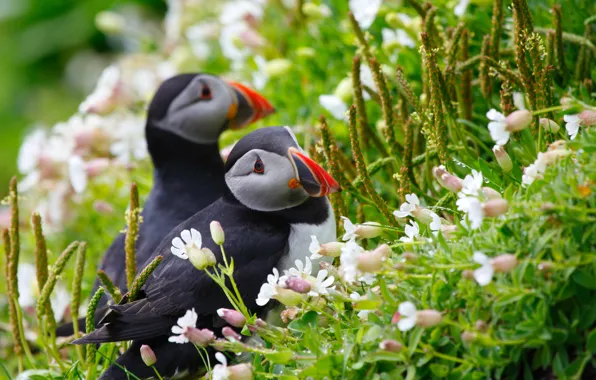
x=255 y=241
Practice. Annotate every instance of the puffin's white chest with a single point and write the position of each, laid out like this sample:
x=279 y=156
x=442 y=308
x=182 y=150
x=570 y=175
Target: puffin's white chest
x=300 y=238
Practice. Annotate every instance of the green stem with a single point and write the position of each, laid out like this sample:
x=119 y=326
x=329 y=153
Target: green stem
x=156 y=372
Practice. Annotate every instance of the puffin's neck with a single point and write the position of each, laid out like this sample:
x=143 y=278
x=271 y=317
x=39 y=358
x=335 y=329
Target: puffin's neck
x=181 y=165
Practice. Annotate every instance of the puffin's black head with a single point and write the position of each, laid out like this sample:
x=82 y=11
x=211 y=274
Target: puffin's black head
x=268 y=171
x=198 y=107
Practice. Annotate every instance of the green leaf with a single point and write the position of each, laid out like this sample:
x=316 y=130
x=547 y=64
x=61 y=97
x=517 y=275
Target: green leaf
x=591 y=342
x=383 y=356
x=301 y=324
x=584 y=278
x=439 y=370
x=279 y=357
x=411 y=373
x=414 y=340
x=373 y=334
x=367 y=305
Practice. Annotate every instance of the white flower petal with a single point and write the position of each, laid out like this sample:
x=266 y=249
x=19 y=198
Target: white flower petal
x=365 y=11
x=406 y=324
x=186 y=236
x=334 y=105
x=179 y=252
x=407 y=309
x=177 y=242
x=484 y=274
x=196 y=238
x=480 y=258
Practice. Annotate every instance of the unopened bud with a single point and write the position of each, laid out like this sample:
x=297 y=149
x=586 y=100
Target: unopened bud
x=468 y=336
x=391 y=345
x=504 y=263
x=448 y=230
x=588 y=117
x=546 y=266
x=468 y=274
x=201 y=258
x=368 y=230
x=148 y=355
x=423 y=214
x=518 y=120
x=491 y=193
x=240 y=372
x=368 y=262
x=278 y=67
x=495 y=207
x=288 y=297
x=481 y=326
x=410 y=256
x=261 y=323
x=400 y=267
x=428 y=318
x=332 y=249
x=233 y=317
x=110 y=22
x=549 y=125
x=299 y=285
x=96 y=166
x=314 y=11
x=551 y=156
x=570 y=105
x=447 y=180
x=217 y=233
x=559 y=144
x=200 y=337
x=229 y=332
x=503 y=158
x=344 y=90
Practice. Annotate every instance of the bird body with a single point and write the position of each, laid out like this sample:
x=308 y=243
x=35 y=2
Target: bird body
x=268 y=222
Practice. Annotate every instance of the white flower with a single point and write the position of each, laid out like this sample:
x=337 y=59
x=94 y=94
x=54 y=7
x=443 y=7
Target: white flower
x=498 y=127
x=189 y=320
x=192 y=240
x=572 y=123
x=29 y=291
x=365 y=11
x=31 y=150
x=484 y=274
x=472 y=184
x=349 y=259
x=315 y=248
x=412 y=232
x=334 y=105
x=322 y=284
x=260 y=76
x=435 y=225
x=269 y=289
x=460 y=7
x=301 y=270
x=220 y=371
x=535 y=170
x=399 y=36
x=197 y=36
x=103 y=98
x=411 y=203
x=129 y=139
x=229 y=41
x=473 y=208
x=239 y=11
x=350 y=229
x=77 y=173
x=367 y=79
x=519 y=101
x=407 y=312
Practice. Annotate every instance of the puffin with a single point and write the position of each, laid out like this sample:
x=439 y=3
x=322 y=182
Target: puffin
x=185 y=118
x=274 y=201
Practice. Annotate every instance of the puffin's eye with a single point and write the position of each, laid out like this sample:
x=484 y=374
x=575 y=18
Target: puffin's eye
x=259 y=167
x=205 y=93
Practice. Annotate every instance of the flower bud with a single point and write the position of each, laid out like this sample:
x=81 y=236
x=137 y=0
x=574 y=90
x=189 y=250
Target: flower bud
x=148 y=355
x=103 y=207
x=217 y=233
x=96 y=166
x=306 y=52
x=110 y=22
x=518 y=120
x=299 y=285
x=491 y=193
x=278 y=67
x=447 y=180
x=200 y=337
x=423 y=215
x=332 y=249
x=410 y=256
x=288 y=297
x=428 y=318
x=551 y=156
x=504 y=263
x=503 y=158
x=201 y=258
x=481 y=326
x=400 y=267
x=368 y=230
x=495 y=207
x=546 y=266
x=549 y=125
x=233 y=317
x=588 y=117
x=448 y=230
x=260 y=323
x=468 y=336
x=314 y=11
x=559 y=144
x=240 y=372
x=468 y=274
x=391 y=345
x=344 y=90
x=229 y=332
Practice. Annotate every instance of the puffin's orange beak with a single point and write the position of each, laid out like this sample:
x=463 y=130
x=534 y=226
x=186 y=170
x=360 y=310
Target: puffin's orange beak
x=313 y=178
x=260 y=106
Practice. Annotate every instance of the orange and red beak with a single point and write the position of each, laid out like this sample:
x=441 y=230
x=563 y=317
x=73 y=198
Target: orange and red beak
x=313 y=178
x=258 y=106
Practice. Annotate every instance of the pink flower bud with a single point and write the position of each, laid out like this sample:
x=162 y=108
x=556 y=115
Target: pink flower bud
x=504 y=263
x=240 y=372
x=96 y=166
x=423 y=214
x=410 y=256
x=503 y=158
x=217 y=233
x=495 y=207
x=368 y=230
x=518 y=120
x=447 y=180
x=261 y=323
x=332 y=249
x=448 y=230
x=428 y=318
x=491 y=193
x=468 y=274
x=551 y=156
x=391 y=345
x=103 y=207
x=549 y=125
x=546 y=266
x=233 y=317
x=481 y=326
x=229 y=332
x=468 y=336
x=148 y=355
x=200 y=337
x=368 y=262
x=299 y=285
x=588 y=117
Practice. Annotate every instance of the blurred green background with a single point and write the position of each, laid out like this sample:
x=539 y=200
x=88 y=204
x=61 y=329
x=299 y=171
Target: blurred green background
x=51 y=54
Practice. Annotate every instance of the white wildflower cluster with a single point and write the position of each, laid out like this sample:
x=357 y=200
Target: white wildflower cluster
x=413 y=209
x=537 y=169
